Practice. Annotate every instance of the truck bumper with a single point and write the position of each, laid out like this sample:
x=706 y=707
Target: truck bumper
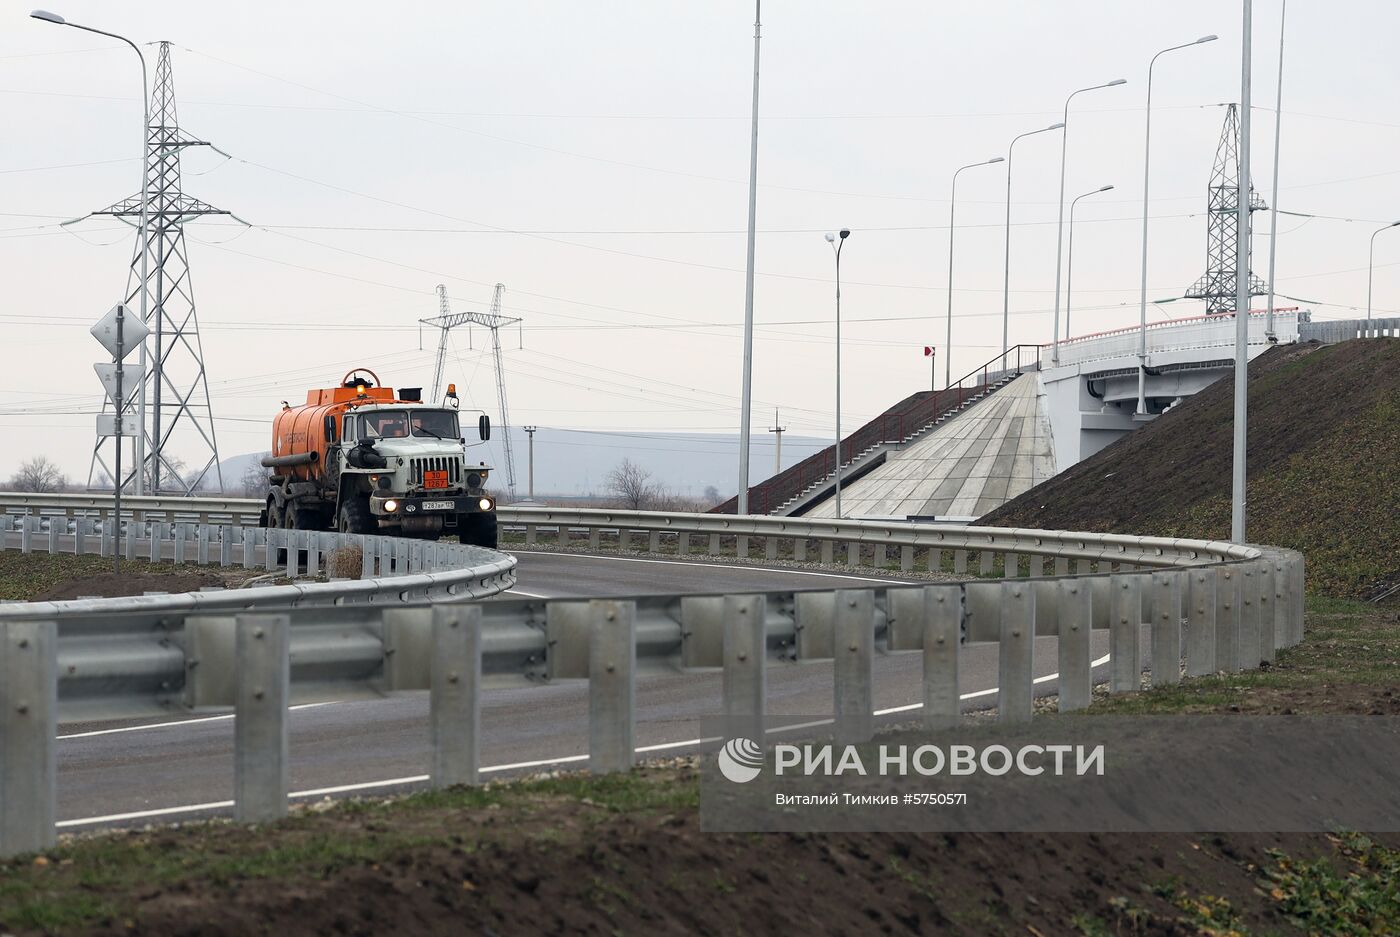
x=420 y=506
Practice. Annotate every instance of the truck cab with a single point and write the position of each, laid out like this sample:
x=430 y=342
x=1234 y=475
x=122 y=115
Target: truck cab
x=361 y=458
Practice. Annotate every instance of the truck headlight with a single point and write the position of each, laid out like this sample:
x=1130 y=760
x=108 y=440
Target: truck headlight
x=484 y=504
x=391 y=505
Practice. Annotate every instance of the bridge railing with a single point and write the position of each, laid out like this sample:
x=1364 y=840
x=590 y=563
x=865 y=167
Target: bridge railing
x=1173 y=335
x=1209 y=606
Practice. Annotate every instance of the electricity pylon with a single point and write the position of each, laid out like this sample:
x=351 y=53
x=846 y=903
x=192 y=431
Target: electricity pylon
x=174 y=393
x=446 y=320
x=1217 y=286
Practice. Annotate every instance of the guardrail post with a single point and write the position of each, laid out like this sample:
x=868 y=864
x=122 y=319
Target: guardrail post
x=1166 y=629
x=1297 y=582
x=225 y=545
x=855 y=665
x=960 y=562
x=203 y=544
x=1200 y=622
x=595 y=537
x=79 y=536
x=129 y=540
x=1035 y=566
x=799 y=550
x=28 y=724
x=682 y=543
x=986 y=562
x=713 y=548
x=296 y=539
x=1125 y=621
x=250 y=546
x=275 y=536
x=741 y=546
x=454 y=697
x=942 y=646
x=157 y=531
x=828 y=553
x=612 y=687
x=532 y=533
x=1266 y=610
x=745 y=655
x=770 y=548
x=107 y=546
x=54 y=523
x=1229 y=609
x=906 y=559
x=177 y=534
x=563 y=534
x=260 y=718
x=1012 y=566
x=1282 y=608
x=1249 y=617
x=853 y=550
x=1076 y=619
x=313 y=553
x=26 y=533
x=1061 y=566
x=653 y=541
x=1015 y=690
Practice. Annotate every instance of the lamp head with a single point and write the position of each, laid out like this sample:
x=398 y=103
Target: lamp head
x=996 y=159
x=845 y=233
x=830 y=238
x=1116 y=82
x=1211 y=38
x=48 y=17
x=1059 y=126
x=1105 y=188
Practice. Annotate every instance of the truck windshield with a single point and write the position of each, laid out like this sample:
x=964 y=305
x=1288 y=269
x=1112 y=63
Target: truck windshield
x=439 y=424
x=384 y=424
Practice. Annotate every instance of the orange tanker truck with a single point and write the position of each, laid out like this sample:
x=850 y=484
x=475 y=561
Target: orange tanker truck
x=362 y=459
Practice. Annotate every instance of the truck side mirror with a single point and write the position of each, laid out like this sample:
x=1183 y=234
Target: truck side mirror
x=483 y=427
x=330 y=428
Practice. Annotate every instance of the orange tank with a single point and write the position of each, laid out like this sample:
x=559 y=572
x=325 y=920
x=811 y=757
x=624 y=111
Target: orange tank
x=298 y=430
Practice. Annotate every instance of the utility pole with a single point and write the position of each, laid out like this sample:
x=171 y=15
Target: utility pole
x=530 y=431
x=747 y=378
x=777 y=429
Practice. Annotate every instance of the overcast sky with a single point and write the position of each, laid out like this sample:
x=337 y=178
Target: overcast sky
x=593 y=157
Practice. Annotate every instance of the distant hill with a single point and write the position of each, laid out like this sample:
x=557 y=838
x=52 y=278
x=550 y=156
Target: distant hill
x=1324 y=467
x=576 y=463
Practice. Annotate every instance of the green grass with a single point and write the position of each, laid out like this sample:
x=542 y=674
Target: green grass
x=24 y=576
x=1347 y=642
x=95 y=879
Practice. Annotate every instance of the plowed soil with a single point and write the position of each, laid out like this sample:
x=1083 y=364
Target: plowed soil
x=1324 y=467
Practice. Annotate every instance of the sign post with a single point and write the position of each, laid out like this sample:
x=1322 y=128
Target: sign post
x=118 y=336
x=931 y=353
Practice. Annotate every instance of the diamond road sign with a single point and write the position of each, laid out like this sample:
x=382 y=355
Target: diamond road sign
x=131 y=380
x=134 y=331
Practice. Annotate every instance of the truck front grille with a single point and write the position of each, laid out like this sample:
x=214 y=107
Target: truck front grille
x=452 y=465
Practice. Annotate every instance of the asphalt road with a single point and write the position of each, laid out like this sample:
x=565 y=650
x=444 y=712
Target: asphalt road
x=119 y=774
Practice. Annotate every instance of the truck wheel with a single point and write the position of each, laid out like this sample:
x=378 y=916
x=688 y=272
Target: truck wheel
x=479 y=530
x=355 y=517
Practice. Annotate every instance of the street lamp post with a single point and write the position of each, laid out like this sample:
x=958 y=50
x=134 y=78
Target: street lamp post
x=1069 y=260
x=745 y=417
x=1060 y=219
x=54 y=18
x=836 y=246
x=1371 y=265
x=1241 y=454
x=1006 y=269
x=952 y=200
x=1146 y=177
x=1273 y=201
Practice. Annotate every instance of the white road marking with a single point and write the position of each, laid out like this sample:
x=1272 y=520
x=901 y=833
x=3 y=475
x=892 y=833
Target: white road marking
x=756 y=569
x=172 y=725
x=528 y=595
x=490 y=769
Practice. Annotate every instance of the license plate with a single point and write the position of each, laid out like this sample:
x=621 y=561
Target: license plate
x=438 y=505
x=434 y=479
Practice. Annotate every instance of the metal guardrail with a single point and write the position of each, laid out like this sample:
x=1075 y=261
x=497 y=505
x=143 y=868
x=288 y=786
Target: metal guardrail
x=1227 y=606
x=1209 y=331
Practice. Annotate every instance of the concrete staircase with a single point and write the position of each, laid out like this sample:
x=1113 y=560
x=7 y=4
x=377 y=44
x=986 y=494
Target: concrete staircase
x=875 y=454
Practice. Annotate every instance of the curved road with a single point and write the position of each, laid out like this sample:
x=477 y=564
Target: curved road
x=111 y=773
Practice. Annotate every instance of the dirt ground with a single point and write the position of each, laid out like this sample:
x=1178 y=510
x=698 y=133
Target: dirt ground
x=39 y=577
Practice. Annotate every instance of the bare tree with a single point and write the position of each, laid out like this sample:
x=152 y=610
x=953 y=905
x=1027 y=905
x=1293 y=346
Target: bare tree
x=38 y=474
x=253 y=484
x=632 y=484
